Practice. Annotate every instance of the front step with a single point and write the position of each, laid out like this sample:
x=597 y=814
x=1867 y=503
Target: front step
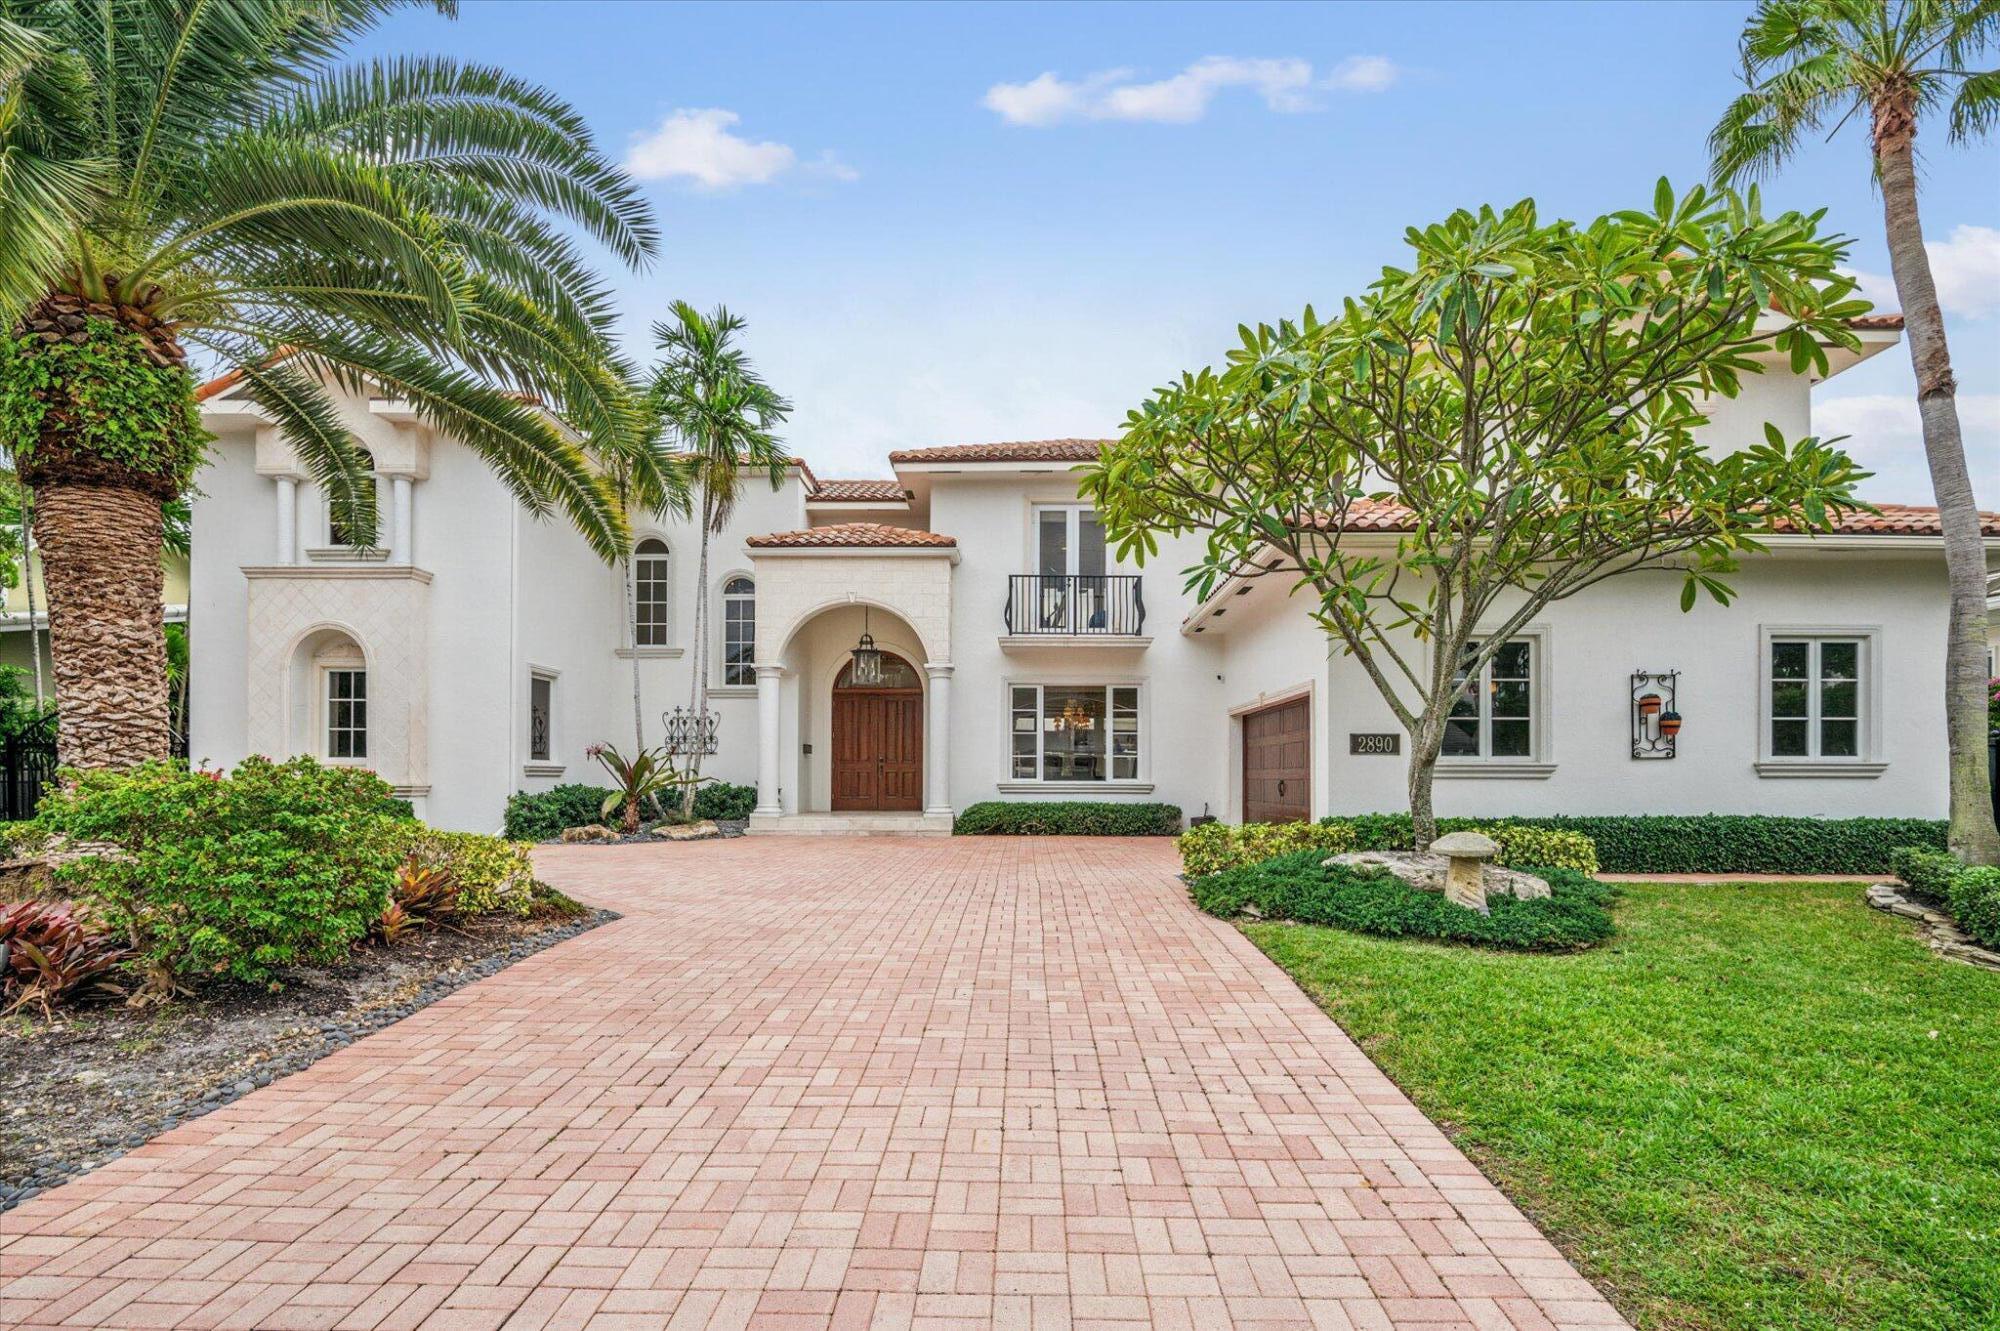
x=850 y=824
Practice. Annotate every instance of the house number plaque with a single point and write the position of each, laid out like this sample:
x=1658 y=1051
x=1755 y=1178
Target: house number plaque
x=1363 y=744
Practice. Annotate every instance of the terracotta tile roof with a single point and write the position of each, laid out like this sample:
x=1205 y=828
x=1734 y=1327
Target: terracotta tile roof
x=1874 y=321
x=857 y=492
x=222 y=383
x=1027 y=450
x=853 y=535
x=1387 y=515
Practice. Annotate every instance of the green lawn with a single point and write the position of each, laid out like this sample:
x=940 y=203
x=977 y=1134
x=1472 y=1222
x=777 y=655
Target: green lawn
x=1758 y=1106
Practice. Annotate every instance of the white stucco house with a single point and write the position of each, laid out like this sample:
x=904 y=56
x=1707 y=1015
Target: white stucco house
x=478 y=651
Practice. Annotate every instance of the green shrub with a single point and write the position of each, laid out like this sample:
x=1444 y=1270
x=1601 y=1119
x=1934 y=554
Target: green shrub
x=1975 y=903
x=1928 y=873
x=1067 y=818
x=493 y=875
x=1709 y=842
x=1213 y=847
x=1522 y=844
x=240 y=875
x=547 y=814
x=723 y=800
x=1303 y=888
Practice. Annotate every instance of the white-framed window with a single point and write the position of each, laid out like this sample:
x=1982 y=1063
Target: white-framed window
x=1496 y=713
x=650 y=587
x=1074 y=732
x=1069 y=539
x=338 y=535
x=739 y=631
x=346 y=713
x=541 y=716
x=1819 y=699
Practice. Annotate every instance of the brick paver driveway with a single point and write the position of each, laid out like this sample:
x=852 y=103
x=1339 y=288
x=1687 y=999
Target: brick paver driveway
x=812 y=1083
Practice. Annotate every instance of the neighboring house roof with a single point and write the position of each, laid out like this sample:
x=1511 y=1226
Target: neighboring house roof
x=1365 y=515
x=1876 y=321
x=852 y=535
x=1026 y=450
x=860 y=492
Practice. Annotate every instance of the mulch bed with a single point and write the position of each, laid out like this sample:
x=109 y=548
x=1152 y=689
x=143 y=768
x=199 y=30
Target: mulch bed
x=96 y=1082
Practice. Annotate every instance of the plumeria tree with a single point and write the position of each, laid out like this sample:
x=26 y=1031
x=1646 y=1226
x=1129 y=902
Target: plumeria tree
x=1515 y=414
x=1888 y=64
x=722 y=417
x=209 y=178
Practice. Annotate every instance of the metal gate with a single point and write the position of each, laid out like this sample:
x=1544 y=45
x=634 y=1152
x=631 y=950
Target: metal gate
x=27 y=763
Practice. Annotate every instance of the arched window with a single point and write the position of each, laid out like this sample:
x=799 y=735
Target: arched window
x=649 y=593
x=739 y=631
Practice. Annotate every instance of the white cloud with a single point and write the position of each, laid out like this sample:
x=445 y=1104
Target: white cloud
x=701 y=147
x=1885 y=435
x=1287 y=85
x=1966 y=269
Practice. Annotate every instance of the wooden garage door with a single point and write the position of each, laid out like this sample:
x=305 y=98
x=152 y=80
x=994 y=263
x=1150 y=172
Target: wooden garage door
x=1277 y=763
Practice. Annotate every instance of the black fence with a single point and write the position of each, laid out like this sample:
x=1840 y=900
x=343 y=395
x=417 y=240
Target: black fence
x=27 y=763
x=1075 y=604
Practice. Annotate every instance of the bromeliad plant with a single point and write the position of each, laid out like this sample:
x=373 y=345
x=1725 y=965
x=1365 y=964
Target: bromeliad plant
x=53 y=953
x=648 y=777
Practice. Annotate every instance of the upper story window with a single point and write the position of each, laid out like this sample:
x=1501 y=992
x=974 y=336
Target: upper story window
x=739 y=631
x=346 y=713
x=1493 y=715
x=339 y=533
x=649 y=593
x=1069 y=539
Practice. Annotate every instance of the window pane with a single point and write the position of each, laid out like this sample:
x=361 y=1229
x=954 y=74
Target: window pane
x=1511 y=661
x=539 y=697
x=1461 y=739
x=1788 y=660
x=1788 y=698
x=1467 y=701
x=1788 y=739
x=1839 y=698
x=1838 y=739
x=1073 y=734
x=1839 y=660
x=1510 y=697
x=1053 y=528
x=1510 y=739
x=1124 y=769
x=1090 y=537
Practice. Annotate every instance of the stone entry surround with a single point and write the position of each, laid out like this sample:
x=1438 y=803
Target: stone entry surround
x=886 y=1082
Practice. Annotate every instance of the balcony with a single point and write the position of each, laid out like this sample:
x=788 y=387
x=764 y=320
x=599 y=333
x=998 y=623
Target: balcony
x=1082 y=609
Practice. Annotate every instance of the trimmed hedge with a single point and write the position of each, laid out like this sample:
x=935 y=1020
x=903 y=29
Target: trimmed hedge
x=1303 y=888
x=545 y=815
x=1928 y=873
x=1970 y=893
x=1216 y=846
x=1716 y=842
x=723 y=800
x=1213 y=847
x=1067 y=818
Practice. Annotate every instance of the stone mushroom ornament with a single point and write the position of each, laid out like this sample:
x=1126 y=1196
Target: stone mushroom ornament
x=1465 y=879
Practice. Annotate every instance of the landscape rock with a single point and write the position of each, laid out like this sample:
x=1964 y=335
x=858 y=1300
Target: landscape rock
x=700 y=831
x=588 y=832
x=1428 y=872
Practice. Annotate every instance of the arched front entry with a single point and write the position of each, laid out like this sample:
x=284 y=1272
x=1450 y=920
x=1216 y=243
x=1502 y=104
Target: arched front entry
x=878 y=740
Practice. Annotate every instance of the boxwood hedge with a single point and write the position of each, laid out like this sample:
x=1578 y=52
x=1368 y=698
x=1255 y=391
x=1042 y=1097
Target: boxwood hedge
x=1067 y=818
x=1709 y=842
x=1302 y=887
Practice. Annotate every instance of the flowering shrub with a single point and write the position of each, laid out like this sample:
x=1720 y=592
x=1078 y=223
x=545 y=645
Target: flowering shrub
x=236 y=875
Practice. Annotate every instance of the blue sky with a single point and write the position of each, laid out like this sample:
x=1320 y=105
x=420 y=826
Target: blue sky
x=951 y=224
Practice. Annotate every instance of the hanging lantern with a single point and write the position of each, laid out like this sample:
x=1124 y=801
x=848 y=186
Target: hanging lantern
x=867 y=669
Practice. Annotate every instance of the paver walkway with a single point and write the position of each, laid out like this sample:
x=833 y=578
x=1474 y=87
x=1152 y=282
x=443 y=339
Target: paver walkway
x=952 y=1082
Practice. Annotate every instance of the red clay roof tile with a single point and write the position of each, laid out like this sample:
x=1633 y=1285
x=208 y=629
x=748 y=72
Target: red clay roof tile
x=856 y=492
x=1026 y=450
x=853 y=535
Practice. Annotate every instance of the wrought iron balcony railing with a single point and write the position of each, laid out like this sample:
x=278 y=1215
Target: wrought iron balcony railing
x=1075 y=604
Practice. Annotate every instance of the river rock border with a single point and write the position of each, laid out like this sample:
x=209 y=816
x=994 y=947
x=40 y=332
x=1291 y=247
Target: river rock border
x=334 y=1034
x=1942 y=935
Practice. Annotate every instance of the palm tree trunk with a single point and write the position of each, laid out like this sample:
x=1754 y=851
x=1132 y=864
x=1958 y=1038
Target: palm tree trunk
x=698 y=692
x=1973 y=835
x=28 y=586
x=632 y=627
x=101 y=562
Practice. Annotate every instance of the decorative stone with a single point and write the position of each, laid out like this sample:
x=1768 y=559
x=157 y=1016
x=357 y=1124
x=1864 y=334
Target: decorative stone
x=700 y=831
x=1427 y=873
x=1941 y=934
x=589 y=832
x=1465 y=880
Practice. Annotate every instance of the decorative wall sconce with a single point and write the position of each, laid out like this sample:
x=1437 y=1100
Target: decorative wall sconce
x=1656 y=718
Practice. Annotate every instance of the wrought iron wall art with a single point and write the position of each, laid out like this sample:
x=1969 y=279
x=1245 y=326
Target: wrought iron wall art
x=1656 y=717
x=689 y=732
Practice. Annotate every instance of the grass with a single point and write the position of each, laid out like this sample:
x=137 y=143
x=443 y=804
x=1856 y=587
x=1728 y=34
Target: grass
x=1760 y=1106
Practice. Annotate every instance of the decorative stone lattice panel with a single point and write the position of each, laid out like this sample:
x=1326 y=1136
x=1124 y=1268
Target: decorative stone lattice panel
x=384 y=610
x=792 y=588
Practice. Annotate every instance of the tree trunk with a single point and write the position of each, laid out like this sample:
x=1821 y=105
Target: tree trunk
x=100 y=550
x=1973 y=835
x=1425 y=742
x=632 y=627
x=28 y=586
x=698 y=700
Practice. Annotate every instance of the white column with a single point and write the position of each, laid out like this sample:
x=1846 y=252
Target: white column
x=400 y=544
x=288 y=520
x=770 y=679
x=937 y=763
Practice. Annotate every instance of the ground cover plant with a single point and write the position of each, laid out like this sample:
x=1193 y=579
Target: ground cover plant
x=1970 y=892
x=1067 y=818
x=1753 y=1110
x=1305 y=888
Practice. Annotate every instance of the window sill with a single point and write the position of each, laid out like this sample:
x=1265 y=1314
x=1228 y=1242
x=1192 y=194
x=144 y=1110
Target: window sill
x=1074 y=787
x=541 y=769
x=1853 y=768
x=732 y=690
x=347 y=554
x=1497 y=770
x=651 y=653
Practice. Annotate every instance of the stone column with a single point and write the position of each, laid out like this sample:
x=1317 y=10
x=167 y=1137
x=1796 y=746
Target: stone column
x=400 y=545
x=937 y=726
x=770 y=680
x=288 y=520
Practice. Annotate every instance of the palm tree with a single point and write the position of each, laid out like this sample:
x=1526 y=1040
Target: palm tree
x=1811 y=62
x=180 y=176
x=645 y=477
x=721 y=415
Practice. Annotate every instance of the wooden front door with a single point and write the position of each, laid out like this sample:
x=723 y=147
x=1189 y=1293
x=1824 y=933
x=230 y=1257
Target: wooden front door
x=878 y=743
x=1277 y=763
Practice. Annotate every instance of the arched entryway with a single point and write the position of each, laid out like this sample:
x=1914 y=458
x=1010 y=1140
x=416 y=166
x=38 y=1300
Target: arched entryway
x=878 y=740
